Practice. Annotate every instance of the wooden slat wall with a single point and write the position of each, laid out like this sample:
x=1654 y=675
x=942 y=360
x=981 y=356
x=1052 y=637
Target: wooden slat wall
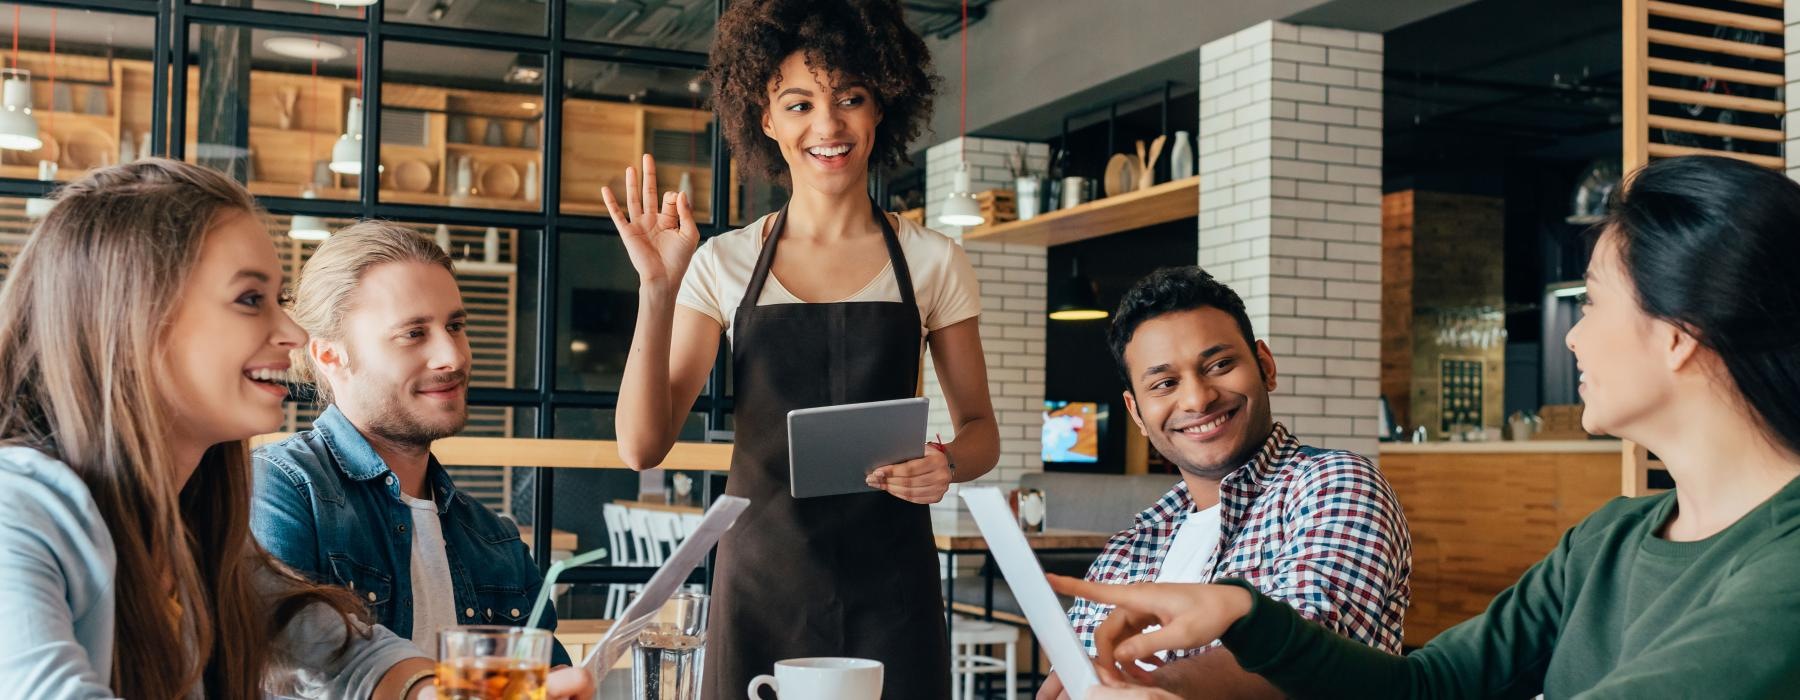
x=1665 y=38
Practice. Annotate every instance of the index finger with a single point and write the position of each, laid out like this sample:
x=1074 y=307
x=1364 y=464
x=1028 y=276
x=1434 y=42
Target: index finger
x=1116 y=595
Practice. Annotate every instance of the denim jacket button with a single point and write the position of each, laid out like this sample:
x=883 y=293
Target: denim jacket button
x=371 y=596
x=515 y=612
x=390 y=480
x=468 y=612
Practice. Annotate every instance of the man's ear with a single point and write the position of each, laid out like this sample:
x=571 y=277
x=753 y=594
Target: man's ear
x=1131 y=408
x=328 y=358
x=1265 y=360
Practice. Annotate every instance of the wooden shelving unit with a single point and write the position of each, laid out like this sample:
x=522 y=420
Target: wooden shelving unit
x=1169 y=201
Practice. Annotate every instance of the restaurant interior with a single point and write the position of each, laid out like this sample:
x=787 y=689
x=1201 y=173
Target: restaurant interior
x=1449 y=155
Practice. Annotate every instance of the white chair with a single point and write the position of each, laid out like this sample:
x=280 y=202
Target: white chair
x=643 y=531
x=618 y=533
x=665 y=532
x=969 y=635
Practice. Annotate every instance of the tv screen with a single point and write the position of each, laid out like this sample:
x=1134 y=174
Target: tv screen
x=1072 y=431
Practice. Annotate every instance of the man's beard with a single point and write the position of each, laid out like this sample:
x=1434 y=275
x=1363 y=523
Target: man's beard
x=391 y=422
x=395 y=426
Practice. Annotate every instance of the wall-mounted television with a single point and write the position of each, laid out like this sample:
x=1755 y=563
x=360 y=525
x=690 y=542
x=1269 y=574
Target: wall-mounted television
x=1073 y=431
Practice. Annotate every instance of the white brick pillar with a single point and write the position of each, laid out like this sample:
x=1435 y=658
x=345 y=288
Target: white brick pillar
x=1290 y=214
x=1791 y=150
x=1013 y=292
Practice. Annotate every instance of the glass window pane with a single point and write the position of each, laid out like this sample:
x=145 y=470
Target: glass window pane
x=753 y=194
x=514 y=16
x=596 y=306
x=683 y=25
x=500 y=291
x=352 y=9
x=580 y=492
x=461 y=127
x=15 y=227
x=270 y=107
x=614 y=112
x=90 y=99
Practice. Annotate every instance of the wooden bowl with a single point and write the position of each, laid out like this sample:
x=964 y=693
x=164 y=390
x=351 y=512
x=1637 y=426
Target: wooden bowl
x=412 y=176
x=88 y=148
x=1121 y=175
x=500 y=181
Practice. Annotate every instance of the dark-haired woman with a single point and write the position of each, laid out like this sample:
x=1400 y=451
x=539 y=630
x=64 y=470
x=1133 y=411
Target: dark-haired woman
x=1689 y=346
x=828 y=301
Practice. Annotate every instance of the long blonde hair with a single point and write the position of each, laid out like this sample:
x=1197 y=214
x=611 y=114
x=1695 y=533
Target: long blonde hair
x=332 y=274
x=83 y=322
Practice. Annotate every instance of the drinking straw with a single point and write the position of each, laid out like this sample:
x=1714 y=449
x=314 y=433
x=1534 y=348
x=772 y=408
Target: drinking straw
x=556 y=569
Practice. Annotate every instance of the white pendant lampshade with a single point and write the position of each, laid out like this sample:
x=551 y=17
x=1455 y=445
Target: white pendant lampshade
x=306 y=227
x=960 y=207
x=346 y=154
x=18 y=129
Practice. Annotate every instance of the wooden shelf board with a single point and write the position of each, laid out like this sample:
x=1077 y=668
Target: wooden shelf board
x=1162 y=203
x=492 y=150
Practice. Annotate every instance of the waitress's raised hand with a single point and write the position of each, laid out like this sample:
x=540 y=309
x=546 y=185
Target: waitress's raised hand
x=659 y=233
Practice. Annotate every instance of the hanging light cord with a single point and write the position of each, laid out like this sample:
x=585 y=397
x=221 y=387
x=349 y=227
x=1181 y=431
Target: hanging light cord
x=15 y=37
x=52 y=121
x=962 y=105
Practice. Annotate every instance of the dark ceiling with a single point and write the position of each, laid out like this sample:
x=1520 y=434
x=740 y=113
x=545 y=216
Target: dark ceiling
x=1498 y=79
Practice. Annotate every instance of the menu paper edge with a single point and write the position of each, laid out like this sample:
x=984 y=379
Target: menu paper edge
x=1029 y=586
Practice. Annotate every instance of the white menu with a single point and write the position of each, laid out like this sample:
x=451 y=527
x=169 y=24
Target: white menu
x=1026 y=578
x=668 y=579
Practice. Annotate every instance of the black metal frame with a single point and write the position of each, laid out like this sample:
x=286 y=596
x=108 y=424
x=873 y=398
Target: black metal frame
x=174 y=18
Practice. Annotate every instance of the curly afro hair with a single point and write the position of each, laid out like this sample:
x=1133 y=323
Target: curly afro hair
x=864 y=39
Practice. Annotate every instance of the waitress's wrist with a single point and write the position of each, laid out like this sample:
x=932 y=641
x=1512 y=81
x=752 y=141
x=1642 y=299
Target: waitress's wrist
x=949 y=459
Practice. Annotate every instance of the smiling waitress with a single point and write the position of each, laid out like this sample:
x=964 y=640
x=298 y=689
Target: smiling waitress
x=828 y=301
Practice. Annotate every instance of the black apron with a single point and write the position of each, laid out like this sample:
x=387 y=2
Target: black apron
x=853 y=575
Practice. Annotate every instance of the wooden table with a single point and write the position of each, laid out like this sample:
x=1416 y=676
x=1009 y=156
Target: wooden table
x=961 y=536
x=660 y=506
x=560 y=540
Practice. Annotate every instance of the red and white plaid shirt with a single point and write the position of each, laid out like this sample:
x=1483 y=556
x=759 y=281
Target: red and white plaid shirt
x=1317 y=529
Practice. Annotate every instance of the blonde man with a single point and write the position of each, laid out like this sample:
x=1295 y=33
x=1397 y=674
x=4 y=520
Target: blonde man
x=358 y=500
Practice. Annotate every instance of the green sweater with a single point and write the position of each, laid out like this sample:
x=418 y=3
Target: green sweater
x=1614 y=612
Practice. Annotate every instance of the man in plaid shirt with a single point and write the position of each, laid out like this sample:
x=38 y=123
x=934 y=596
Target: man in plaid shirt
x=1317 y=529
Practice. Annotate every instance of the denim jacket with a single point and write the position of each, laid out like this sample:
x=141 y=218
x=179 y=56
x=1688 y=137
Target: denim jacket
x=328 y=506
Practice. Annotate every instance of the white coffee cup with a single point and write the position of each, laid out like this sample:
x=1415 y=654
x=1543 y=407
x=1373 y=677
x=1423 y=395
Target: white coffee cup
x=822 y=679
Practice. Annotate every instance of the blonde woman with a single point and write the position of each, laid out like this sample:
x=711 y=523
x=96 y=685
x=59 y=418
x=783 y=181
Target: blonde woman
x=141 y=343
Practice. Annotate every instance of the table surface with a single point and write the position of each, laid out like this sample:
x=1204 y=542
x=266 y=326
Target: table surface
x=560 y=540
x=958 y=533
x=659 y=505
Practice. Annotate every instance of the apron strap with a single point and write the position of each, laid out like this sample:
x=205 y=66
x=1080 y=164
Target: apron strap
x=902 y=275
x=766 y=260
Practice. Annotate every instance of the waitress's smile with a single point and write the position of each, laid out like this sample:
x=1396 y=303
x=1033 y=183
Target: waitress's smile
x=830 y=156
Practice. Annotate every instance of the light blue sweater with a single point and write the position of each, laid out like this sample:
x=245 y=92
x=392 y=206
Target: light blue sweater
x=57 y=566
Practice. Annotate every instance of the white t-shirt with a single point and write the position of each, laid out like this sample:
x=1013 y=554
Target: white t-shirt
x=1194 y=543
x=944 y=282
x=434 y=597
x=1185 y=561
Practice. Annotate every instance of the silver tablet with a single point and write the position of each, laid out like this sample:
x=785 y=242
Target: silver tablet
x=832 y=449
